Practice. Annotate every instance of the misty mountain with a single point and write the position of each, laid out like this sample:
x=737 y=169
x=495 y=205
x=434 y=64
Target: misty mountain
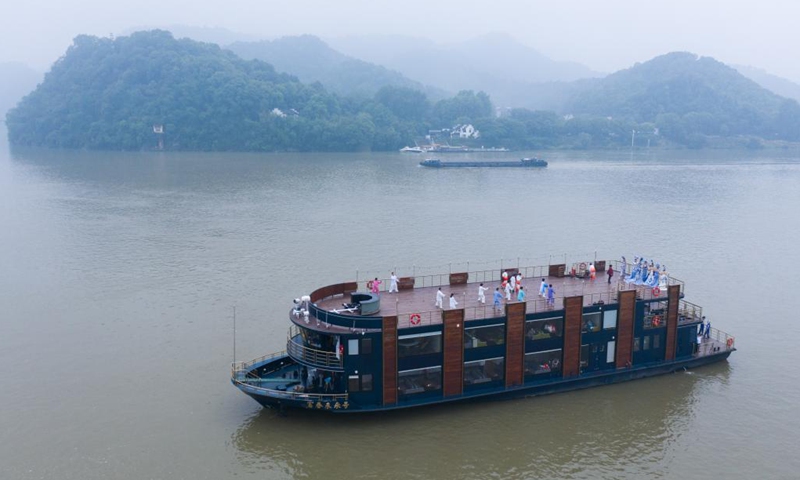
x=18 y=81
x=513 y=74
x=312 y=60
x=110 y=93
x=775 y=84
x=692 y=95
x=220 y=36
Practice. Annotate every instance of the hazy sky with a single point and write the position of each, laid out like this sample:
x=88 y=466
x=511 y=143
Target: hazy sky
x=604 y=35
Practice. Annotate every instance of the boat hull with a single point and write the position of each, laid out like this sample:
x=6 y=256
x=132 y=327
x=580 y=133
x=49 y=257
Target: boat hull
x=282 y=401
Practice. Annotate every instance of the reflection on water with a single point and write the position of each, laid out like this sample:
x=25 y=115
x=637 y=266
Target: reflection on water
x=600 y=432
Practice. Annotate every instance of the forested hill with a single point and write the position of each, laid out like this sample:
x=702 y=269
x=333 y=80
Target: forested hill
x=690 y=95
x=109 y=93
x=312 y=60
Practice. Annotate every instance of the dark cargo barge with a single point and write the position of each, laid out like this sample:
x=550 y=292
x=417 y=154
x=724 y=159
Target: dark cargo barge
x=524 y=162
x=355 y=347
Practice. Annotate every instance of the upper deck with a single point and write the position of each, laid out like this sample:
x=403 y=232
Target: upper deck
x=414 y=304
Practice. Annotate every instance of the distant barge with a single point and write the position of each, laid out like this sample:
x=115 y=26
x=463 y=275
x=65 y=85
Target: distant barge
x=349 y=349
x=525 y=162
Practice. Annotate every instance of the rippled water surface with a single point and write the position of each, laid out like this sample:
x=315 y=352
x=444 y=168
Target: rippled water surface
x=119 y=273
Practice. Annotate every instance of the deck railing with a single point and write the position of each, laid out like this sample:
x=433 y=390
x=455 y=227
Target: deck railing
x=311 y=356
x=688 y=312
x=300 y=396
x=494 y=275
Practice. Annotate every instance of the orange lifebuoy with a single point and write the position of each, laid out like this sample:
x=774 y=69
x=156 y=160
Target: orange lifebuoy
x=729 y=342
x=414 y=319
x=656 y=321
x=656 y=291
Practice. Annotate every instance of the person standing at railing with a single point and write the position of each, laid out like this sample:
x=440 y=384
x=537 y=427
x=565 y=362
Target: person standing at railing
x=393 y=283
x=706 y=328
x=482 y=294
x=610 y=273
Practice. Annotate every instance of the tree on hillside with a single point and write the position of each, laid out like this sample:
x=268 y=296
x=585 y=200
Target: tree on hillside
x=466 y=104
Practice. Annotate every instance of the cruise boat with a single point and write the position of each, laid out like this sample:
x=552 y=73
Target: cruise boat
x=351 y=350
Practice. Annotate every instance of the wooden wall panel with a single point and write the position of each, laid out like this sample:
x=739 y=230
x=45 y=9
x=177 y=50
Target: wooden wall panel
x=515 y=343
x=453 y=369
x=459 y=278
x=674 y=296
x=389 y=360
x=573 y=317
x=625 y=323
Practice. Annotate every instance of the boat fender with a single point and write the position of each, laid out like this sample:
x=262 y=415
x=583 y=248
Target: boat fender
x=414 y=319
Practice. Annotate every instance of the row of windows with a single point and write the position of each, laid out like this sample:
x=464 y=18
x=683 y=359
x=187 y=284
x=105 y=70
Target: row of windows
x=480 y=372
x=491 y=371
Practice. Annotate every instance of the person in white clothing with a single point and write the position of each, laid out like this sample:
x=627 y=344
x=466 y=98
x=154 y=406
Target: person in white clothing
x=482 y=293
x=439 y=297
x=543 y=289
x=508 y=292
x=513 y=281
x=453 y=303
x=393 y=284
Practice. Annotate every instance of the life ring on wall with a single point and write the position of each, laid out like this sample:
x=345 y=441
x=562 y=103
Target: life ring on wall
x=369 y=285
x=583 y=265
x=414 y=319
x=656 y=321
x=729 y=342
x=656 y=291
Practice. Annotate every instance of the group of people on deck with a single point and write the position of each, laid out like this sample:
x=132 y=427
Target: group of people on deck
x=643 y=273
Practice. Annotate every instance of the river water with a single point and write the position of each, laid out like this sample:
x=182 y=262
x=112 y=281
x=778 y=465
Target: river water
x=119 y=273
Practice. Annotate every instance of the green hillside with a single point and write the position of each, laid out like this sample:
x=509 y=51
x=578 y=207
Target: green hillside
x=686 y=95
x=108 y=93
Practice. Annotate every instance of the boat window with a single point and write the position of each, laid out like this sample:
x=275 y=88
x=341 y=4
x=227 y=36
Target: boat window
x=352 y=346
x=657 y=341
x=610 y=319
x=487 y=336
x=366 y=346
x=352 y=383
x=636 y=342
x=612 y=346
x=424 y=344
x=655 y=315
x=484 y=371
x=420 y=380
x=544 y=328
x=646 y=343
x=317 y=340
x=592 y=322
x=538 y=363
x=366 y=382
x=585 y=355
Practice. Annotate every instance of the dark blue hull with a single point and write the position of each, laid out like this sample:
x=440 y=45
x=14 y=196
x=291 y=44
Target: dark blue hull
x=283 y=400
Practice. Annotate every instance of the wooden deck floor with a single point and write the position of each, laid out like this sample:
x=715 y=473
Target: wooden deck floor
x=421 y=301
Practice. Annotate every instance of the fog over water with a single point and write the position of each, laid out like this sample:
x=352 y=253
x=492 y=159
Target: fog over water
x=605 y=36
